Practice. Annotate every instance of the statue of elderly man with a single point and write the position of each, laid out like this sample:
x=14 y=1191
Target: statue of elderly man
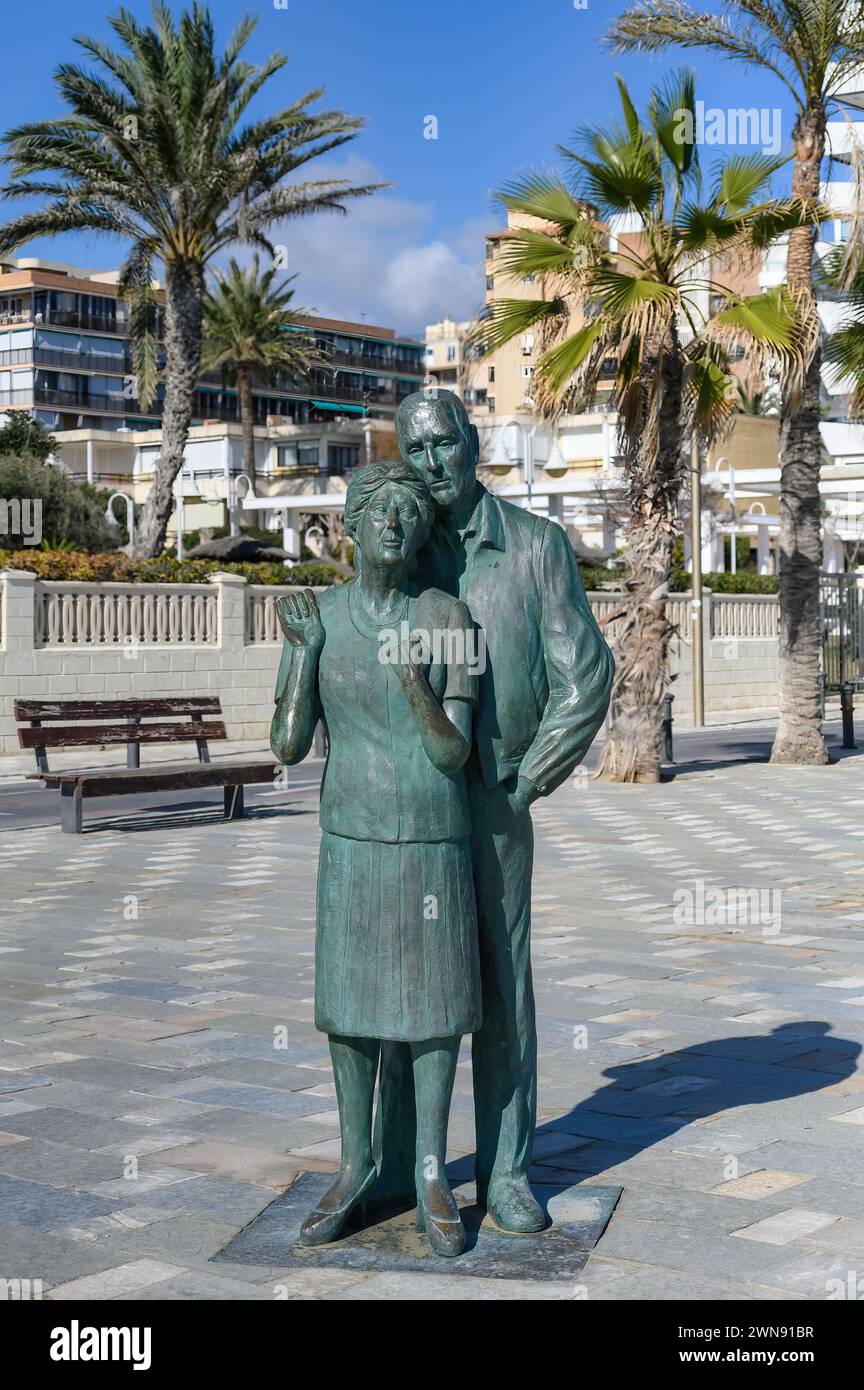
x=543 y=696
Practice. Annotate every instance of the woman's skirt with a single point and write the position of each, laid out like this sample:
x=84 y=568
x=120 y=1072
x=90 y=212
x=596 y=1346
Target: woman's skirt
x=396 y=941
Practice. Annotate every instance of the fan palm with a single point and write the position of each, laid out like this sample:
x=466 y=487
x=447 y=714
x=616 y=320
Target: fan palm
x=644 y=308
x=812 y=47
x=844 y=350
x=250 y=332
x=156 y=149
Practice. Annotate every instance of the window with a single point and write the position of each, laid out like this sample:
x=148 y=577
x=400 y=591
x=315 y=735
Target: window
x=307 y=453
x=451 y=352
x=527 y=370
x=527 y=279
x=491 y=375
x=341 y=457
x=490 y=401
x=490 y=282
x=527 y=343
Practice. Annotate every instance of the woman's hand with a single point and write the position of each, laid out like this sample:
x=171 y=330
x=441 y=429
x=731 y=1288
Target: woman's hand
x=300 y=620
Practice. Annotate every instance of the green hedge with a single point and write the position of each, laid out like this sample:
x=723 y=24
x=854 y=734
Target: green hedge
x=117 y=568
x=596 y=578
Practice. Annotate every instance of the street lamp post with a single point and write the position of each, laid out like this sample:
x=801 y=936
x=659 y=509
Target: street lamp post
x=179 y=489
x=527 y=442
x=696 y=586
x=733 y=547
x=130 y=514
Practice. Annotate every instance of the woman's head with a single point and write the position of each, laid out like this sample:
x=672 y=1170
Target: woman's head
x=388 y=512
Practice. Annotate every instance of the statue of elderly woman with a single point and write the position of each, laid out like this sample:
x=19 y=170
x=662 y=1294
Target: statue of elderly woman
x=396 y=955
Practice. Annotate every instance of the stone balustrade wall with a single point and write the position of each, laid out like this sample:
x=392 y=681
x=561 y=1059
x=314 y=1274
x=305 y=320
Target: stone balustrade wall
x=113 y=641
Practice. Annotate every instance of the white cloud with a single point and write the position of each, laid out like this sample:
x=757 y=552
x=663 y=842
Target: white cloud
x=381 y=259
x=423 y=283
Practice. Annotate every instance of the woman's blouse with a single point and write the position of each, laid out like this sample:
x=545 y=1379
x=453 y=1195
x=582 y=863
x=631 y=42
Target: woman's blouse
x=379 y=783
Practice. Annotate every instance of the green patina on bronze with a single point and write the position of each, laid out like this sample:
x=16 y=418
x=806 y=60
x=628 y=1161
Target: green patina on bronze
x=432 y=769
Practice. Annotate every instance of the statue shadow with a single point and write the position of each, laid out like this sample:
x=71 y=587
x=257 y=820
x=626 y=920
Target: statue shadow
x=649 y=1101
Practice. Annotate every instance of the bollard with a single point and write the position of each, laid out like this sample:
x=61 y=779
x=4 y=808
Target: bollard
x=847 y=690
x=668 y=755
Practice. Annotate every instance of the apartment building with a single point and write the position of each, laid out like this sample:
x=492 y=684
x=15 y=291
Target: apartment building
x=452 y=362
x=65 y=354
x=571 y=471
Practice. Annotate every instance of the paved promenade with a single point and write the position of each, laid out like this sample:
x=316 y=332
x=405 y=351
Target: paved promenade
x=699 y=958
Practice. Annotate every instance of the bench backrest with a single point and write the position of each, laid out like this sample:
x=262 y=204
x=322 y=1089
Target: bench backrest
x=97 y=727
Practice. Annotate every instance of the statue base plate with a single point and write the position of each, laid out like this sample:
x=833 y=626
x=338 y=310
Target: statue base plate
x=578 y=1216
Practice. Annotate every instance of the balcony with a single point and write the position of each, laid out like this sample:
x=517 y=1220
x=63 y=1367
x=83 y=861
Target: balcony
x=82 y=402
x=371 y=364
x=67 y=361
x=73 y=318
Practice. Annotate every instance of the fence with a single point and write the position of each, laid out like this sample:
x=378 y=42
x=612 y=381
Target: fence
x=725 y=616
x=105 y=615
x=222 y=638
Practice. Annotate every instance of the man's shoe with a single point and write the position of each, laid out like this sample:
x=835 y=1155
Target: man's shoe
x=513 y=1206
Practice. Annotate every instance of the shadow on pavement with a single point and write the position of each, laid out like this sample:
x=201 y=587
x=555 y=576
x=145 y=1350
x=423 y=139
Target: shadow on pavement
x=649 y=1101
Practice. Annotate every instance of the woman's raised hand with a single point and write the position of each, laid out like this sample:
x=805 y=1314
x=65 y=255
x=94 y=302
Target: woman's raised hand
x=300 y=620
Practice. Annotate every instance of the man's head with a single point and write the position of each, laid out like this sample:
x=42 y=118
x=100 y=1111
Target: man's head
x=437 y=439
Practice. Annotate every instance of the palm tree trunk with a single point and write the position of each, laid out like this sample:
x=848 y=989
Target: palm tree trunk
x=799 y=730
x=184 y=294
x=631 y=752
x=247 y=420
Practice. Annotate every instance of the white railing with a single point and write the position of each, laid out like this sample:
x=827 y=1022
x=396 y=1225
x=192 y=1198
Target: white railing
x=727 y=615
x=745 y=615
x=262 y=624
x=603 y=605
x=69 y=614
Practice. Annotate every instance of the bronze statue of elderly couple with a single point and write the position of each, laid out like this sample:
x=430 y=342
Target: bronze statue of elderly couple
x=436 y=752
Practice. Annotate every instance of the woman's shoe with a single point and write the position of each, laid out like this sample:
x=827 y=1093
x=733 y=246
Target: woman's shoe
x=438 y=1215
x=325 y=1224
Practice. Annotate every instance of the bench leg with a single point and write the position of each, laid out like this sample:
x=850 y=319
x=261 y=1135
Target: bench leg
x=234 y=803
x=71 y=807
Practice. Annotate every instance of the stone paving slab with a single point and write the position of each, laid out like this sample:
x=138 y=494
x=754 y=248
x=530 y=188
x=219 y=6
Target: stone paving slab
x=161 y=1078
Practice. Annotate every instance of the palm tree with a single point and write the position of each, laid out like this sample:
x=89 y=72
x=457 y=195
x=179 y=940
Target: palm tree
x=812 y=46
x=644 y=309
x=844 y=350
x=250 y=331
x=159 y=152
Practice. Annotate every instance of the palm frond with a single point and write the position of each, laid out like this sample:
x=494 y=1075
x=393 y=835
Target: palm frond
x=505 y=318
x=543 y=196
x=652 y=26
x=534 y=253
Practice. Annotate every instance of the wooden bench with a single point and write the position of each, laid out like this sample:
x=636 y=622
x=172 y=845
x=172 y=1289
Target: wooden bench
x=120 y=721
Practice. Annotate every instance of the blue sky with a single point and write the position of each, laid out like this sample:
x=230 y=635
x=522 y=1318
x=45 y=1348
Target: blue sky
x=414 y=253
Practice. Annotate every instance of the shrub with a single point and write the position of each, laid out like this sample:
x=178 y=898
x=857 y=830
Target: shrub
x=62 y=564
x=597 y=577
x=69 y=512
x=745 y=582
x=117 y=568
